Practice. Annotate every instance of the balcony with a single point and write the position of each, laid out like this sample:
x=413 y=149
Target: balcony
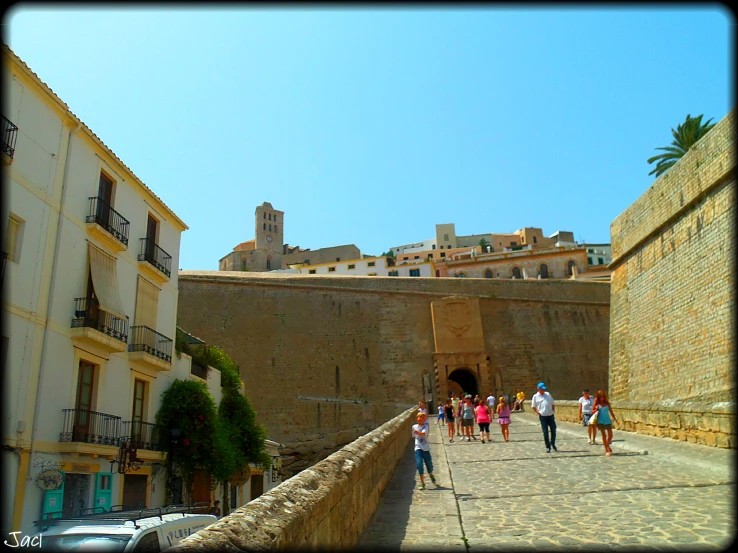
x=150 y=347
x=143 y=435
x=97 y=327
x=107 y=224
x=199 y=371
x=10 y=134
x=155 y=261
x=89 y=432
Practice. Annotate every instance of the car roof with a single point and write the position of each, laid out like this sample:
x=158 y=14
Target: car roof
x=103 y=526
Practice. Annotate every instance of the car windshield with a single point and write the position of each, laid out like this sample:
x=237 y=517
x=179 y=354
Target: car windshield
x=85 y=542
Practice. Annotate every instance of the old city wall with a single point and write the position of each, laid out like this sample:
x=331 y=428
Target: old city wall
x=673 y=299
x=327 y=506
x=328 y=359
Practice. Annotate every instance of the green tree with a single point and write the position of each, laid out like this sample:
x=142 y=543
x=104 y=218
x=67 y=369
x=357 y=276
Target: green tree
x=685 y=136
x=483 y=242
x=389 y=253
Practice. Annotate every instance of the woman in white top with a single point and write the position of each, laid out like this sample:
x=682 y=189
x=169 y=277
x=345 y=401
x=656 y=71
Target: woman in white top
x=586 y=402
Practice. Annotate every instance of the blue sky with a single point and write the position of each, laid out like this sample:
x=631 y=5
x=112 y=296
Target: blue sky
x=369 y=126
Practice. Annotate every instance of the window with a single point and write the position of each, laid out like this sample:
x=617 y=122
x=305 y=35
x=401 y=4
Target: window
x=516 y=272
x=433 y=247
x=371 y=264
x=338 y=259
x=265 y=226
x=270 y=227
x=269 y=264
x=543 y=270
x=405 y=258
x=443 y=254
x=265 y=215
x=352 y=266
x=430 y=255
x=275 y=218
x=276 y=229
x=149 y=543
x=417 y=257
x=445 y=237
x=513 y=243
x=372 y=274
x=535 y=240
x=589 y=261
x=570 y=267
x=393 y=273
x=311 y=272
x=270 y=217
x=415 y=272
x=461 y=275
x=331 y=269
x=590 y=250
x=600 y=260
x=488 y=273
x=12 y=238
x=243 y=264
x=147 y=303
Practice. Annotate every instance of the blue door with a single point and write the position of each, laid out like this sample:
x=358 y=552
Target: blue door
x=53 y=501
x=103 y=490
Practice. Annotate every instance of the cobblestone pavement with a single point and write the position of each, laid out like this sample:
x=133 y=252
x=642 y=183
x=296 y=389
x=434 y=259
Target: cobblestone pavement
x=653 y=493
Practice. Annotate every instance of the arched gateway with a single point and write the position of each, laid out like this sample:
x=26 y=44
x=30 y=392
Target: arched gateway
x=460 y=360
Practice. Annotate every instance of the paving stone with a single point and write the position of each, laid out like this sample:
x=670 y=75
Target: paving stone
x=515 y=496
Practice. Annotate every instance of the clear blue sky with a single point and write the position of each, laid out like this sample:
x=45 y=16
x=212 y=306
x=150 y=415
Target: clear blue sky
x=369 y=126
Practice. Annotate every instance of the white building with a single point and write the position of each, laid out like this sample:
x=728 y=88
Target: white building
x=429 y=244
x=598 y=254
x=369 y=266
x=90 y=304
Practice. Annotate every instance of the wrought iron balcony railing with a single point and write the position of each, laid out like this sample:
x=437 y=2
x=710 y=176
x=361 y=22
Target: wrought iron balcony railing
x=104 y=215
x=143 y=435
x=10 y=134
x=153 y=254
x=150 y=341
x=90 y=427
x=87 y=314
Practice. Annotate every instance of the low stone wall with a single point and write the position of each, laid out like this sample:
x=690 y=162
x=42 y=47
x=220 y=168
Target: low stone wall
x=326 y=506
x=690 y=421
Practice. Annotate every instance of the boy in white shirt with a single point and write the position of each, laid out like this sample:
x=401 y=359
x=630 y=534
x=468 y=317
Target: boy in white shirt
x=422 y=449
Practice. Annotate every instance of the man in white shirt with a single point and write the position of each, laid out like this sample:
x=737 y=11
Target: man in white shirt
x=586 y=403
x=491 y=402
x=542 y=403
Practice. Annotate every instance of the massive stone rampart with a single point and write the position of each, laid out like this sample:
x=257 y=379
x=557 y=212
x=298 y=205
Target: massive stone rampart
x=324 y=507
x=672 y=346
x=326 y=359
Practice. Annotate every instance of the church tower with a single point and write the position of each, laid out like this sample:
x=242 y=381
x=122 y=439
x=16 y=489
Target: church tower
x=270 y=235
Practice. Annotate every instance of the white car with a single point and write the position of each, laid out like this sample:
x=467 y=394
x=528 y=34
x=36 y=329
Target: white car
x=122 y=531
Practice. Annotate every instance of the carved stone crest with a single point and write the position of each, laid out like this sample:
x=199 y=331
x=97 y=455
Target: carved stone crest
x=458 y=317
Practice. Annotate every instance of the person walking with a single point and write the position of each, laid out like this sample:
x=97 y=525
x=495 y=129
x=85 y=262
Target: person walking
x=449 y=408
x=421 y=407
x=441 y=415
x=468 y=419
x=543 y=405
x=605 y=419
x=422 y=449
x=455 y=401
x=483 y=420
x=586 y=404
x=491 y=403
x=503 y=418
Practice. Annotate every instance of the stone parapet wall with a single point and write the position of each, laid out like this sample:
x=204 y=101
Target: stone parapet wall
x=710 y=424
x=324 y=507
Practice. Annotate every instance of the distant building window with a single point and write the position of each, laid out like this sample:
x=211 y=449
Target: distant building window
x=371 y=264
x=275 y=217
x=265 y=215
x=12 y=238
x=270 y=228
x=516 y=272
x=443 y=254
x=445 y=237
x=513 y=243
x=265 y=226
x=311 y=272
x=270 y=216
x=417 y=257
x=352 y=266
x=331 y=269
x=269 y=264
x=590 y=250
x=405 y=258
x=433 y=247
x=535 y=240
x=415 y=272
x=393 y=273
x=600 y=260
x=275 y=228
x=570 y=267
x=372 y=274
x=430 y=255
x=338 y=259
x=461 y=275
x=488 y=273
x=543 y=270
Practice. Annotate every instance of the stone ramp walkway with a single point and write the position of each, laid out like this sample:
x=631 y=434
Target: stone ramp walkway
x=652 y=492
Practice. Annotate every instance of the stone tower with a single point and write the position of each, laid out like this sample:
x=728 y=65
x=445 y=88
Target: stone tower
x=270 y=235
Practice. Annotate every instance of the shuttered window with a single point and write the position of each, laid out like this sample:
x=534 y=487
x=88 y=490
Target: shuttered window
x=147 y=303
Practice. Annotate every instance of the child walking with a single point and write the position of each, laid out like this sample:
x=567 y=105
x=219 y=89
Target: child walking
x=441 y=415
x=422 y=449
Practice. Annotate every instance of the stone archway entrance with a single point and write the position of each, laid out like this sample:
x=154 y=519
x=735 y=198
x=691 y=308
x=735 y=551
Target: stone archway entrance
x=463 y=381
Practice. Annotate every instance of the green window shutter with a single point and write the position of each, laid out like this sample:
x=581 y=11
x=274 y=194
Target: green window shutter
x=53 y=500
x=103 y=490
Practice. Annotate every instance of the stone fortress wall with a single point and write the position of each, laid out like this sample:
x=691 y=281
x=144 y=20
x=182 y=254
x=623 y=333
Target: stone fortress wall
x=672 y=348
x=328 y=359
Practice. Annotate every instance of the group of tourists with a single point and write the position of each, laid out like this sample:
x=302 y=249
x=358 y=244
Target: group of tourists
x=461 y=414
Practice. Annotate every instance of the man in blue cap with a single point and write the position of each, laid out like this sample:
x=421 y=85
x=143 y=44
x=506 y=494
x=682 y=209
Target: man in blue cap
x=543 y=404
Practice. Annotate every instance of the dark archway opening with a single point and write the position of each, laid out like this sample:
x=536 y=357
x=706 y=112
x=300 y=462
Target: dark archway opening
x=463 y=380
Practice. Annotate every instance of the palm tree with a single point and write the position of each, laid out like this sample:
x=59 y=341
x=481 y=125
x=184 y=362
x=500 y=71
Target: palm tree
x=483 y=242
x=685 y=136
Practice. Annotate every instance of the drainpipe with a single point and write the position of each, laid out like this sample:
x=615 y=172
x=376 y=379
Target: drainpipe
x=23 y=470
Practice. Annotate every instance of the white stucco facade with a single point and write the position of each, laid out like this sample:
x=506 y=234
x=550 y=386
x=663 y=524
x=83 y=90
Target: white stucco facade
x=369 y=266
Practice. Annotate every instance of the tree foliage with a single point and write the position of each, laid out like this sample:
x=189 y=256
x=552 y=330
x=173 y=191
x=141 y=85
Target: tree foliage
x=484 y=243
x=685 y=136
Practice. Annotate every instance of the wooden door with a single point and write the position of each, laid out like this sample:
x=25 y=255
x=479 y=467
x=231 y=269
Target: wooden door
x=150 y=237
x=105 y=199
x=257 y=485
x=139 y=391
x=201 y=487
x=134 y=491
x=83 y=405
